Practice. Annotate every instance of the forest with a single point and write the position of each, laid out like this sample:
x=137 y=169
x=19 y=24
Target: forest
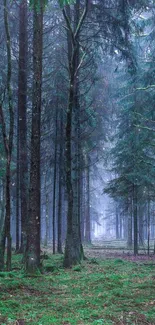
x=77 y=162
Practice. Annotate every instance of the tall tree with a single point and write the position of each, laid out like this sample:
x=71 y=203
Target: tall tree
x=22 y=116
x=59 y=246
x=8 y=144
x=33 y=229
x=55 y=172
x=73 y=247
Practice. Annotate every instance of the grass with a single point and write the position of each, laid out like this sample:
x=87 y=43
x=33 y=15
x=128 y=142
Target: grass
x=105 y=292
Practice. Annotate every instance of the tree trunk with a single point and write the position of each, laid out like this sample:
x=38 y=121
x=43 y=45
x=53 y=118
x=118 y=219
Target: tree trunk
x=33 y=234
x=22 y=112
x=55 y=175
x=17 y=188
x=148 y=226
x=82 y=203
x=129 y=241
x=59 y=246
x=8 y=143
x=135 y=218
x=141 y=224
x=2 y=229
x=46 y=239
x=78 y=153
x=73 y=247
x=64 y=215
x=2 y=205
x=88 y=223
x=121 y=226
x=8 y=215
x=117 y=222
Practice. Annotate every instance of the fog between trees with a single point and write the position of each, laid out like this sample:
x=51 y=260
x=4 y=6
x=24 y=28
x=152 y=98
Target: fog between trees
x=77 y=126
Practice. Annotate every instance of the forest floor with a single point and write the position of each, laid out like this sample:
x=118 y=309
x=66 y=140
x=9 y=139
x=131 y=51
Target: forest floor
x=110 y=288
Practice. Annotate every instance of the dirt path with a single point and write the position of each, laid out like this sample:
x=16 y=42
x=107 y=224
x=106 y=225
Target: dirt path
x=109 y=253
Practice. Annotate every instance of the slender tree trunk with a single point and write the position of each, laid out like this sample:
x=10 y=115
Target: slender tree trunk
x=2 y=230
x=8 y=143
x=129 y=241
x=64 y=213
x=46 y=220
x=2 y=202
x=117 y=222
x=82 y=202
x=77 y=131
x=22 y=113
x=59 y=246
x=135 y=218
x=8 y=216
x=141 y=224
x=148 y=226
x=55 y=175
x=17 y=188
x=88 y=222
x=121 y=226
x=9 y=151
x=33 y=234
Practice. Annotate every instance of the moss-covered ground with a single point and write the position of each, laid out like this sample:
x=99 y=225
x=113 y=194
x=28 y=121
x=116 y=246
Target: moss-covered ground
x=109 y=291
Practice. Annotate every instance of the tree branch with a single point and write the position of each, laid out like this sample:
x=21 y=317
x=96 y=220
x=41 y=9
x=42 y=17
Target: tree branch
x=81 y=20
x=68 y=25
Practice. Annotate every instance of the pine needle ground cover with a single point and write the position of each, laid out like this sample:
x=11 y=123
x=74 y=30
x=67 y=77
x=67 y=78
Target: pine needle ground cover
x=105 y=292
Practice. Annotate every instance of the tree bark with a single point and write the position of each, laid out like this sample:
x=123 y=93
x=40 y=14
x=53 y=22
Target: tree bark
x=117 y=222
x=22 y=113
x=59 y=246
x=129 y=241
x=17 y=188
x=73 y=247
x=33 y=234
x=135 y=218
x=55 y=175
x=88 y=222
x=8 y=143
x=141 y=223
x=46 y=219
x=82 y=203
x=121 y=226
x=148 y=226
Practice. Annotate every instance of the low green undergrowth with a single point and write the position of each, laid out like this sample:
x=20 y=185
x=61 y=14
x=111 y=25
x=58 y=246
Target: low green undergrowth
x=105 y=292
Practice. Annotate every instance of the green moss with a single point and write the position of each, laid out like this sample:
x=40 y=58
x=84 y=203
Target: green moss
x=77 y=268
x=92 y=293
